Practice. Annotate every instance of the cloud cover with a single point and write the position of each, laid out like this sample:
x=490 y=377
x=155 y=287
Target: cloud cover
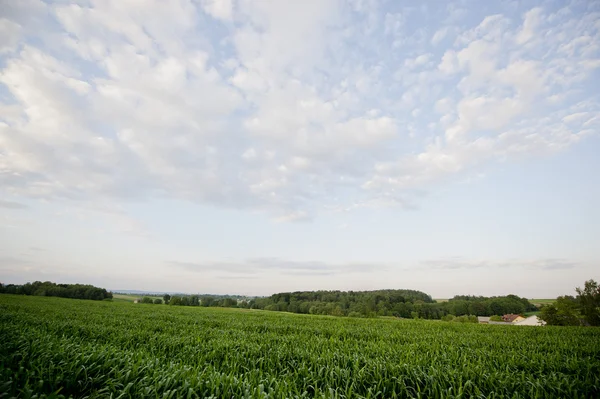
x=113 y=113
x=288 y=108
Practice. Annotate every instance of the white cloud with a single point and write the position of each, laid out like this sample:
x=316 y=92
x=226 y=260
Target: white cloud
x=219 y=9
x=530 y=23
x=9 y=35
x=514 y=264
x=418 y=61
x=440 y=35
x=11 y=204
x=576 y=117
x=295 y=216
x=261 y=266
x=394 y=23
x=449 y=64
x=443 y=105
x=284 y=108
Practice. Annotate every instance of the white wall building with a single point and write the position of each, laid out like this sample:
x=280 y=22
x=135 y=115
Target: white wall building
x=531 y=321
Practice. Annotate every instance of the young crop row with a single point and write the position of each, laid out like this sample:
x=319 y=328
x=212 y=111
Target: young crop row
x=67 y=348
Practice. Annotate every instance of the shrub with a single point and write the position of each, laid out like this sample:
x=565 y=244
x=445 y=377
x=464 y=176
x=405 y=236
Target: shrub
x=466 y=319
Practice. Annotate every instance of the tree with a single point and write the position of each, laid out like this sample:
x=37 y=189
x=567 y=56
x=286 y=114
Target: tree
x=569 y=311
x=232 y=303
x=158 y=301
x=166 y=298
x=477 y=308
x=589 y=302
x=459 y=307
x=563 y=312
x=207 y=301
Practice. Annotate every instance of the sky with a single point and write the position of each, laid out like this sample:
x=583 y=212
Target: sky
x=253 y=147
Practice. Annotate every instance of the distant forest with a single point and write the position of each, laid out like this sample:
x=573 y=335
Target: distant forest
x=398 y=303
x=47 y=288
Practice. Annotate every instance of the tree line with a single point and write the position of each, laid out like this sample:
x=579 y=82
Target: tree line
x=346 y=303
x=47 y=288
x=581 y=310
x=235 y=301
x=398 y=303
x=336 y=303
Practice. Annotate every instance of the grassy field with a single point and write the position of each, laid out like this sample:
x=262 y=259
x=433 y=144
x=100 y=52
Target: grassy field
x=125 y=298
x=76 y=348
x=536 y=313
x=538 y=302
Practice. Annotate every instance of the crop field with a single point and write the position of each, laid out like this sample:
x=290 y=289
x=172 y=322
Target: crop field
x=539 y=302
x=125 y=297
x=54 y=347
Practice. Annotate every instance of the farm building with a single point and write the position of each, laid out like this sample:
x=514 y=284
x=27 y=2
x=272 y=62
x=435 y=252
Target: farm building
x=517 y=321
x=512 y=318
x=531 y=321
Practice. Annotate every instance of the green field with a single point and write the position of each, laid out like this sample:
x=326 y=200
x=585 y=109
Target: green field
x=539 y=302
x=79 y=348
x=125 y=297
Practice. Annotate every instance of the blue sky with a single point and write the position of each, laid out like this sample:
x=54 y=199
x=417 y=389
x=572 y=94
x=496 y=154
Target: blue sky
x=252 y=147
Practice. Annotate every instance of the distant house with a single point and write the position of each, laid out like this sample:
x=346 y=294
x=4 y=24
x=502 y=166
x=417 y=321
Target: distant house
x=531 y=321
x=483 y=320
x=506 y=323
x=512 y=318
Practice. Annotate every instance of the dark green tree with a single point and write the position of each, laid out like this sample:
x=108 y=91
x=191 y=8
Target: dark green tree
x=48 y=288
x=589 y=302
x=175 y=301
x=207 y=301
x=563 y=312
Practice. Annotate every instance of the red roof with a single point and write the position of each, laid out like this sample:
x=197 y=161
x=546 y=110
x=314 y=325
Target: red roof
x=510 y=317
